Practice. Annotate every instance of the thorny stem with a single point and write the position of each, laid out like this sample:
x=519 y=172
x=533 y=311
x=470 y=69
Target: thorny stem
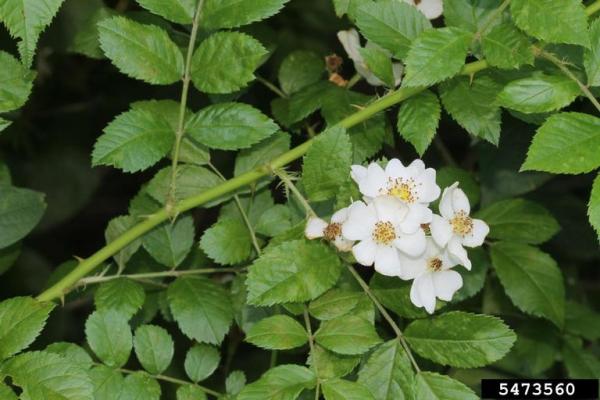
x=176 y=381
x=182 y=108
x=287 y=181
x=86 y=266
x=311 y=344
x=385 y=315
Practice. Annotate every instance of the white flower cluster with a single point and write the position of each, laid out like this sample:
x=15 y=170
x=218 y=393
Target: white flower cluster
x=394 y=229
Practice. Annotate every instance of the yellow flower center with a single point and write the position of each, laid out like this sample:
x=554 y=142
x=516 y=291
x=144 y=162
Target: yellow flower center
x=384 y=233
x=332 y=231
x=405 y=190
x=461 y=223
x=434 y=264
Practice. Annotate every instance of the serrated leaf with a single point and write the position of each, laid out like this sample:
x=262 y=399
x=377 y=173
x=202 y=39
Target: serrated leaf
x=331 y=365
x=26 y=20
x=388 y=373
x=594 y=205
x=539 y=93
x=519 y=220
x=171 y=242
x=292 y=272
x=379 y=63
x=218 y=14
x=71 y=352
x=278 y=332
x=192 y=152
x=122 y=295
x=84 y=18
x=433 y=386
x=472 y=104
x=582 y=321
x=44 y=376
x=394 y=294
x=141 y=51
x=581 y=363
x=230 y=126
x=154 y=348
x=201 y=308
x=552 y=21
x=16 y=83
x=116 y=227
x=6 y=393
x=591 y=56
x=22 y=319
x=227 y=242
x=257 y=155
x=191 y=180
x=475 y=279
x=284 y=382
x=326 y=164
x=140 y=385
x=20 y=212
x=225 y=62
x=106 y=381
x=435 y=55
x=392 y=25
x=506 y=47
x=189 y=392
x=348 y=334
x=531 y=279
x=460 y=339
x=300 y=69
x=109 y=336
x=235 y=382
x=201 y=361
x=275 y=221
x=179 y=11
x=471 y=15
x=418 y=119
x=334 y=303
x=566 y=143
x=135 y=140
x=341 y=389
x=301 y=104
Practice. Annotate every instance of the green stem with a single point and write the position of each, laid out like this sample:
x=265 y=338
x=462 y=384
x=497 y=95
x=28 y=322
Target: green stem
x=176 y=381
x=592 y=8
x=287 y=180
x=152 y=275
x=182 y=106
x=495 y=14
x=311 y=344
x=271 y=87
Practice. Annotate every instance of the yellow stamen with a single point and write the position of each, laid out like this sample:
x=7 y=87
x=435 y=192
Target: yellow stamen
x=434 y=264
x=461 y=223
x=384 y=233
x=332 y=231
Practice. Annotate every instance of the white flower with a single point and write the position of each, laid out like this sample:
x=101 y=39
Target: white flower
x=431 y=8
x=318 y=228
x=432 y=276
x=455 y=228
x=414 y=185
x=351 y=43
x=377 y=227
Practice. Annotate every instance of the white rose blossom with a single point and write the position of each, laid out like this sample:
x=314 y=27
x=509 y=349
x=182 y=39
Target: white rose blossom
x=455 y=228
x=377 y=226
x=332 y=231
x=431 y=8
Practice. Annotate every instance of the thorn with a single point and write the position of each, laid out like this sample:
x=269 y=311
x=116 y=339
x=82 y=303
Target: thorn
x=79 y=259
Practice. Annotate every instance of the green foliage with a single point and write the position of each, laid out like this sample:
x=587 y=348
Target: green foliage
x=122 y=295
x=116 y=227
x=471 y=15
x=20 y=212
x=581 y=364
x=378 y=61
x=594 y=205
x=340 y=389
x=284 y=382
x=418 y=120
x=225 y=62
x=191 y=180
x=279 y=332
x=179 y=11
x=394 y=294
x=16 y=83
x=227 y=242
x=300 y=69
x=433 y=386
x=556 y=149
x=268 y=149
x=189 y=392
x=71 y=352
x=218 y=14
x=141 y=51
x=140 y=385
x=154 y=348
x=170 y=243
x=109 y=336
x=201 y=361
x=331 y=365
x=506 y=47
x=591 y=56
x=334 y=303
x=347 y=334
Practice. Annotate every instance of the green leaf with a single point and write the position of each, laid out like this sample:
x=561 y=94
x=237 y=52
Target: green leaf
x=201 y=307
x=472 y=104
x=20 y=212
x=189 y=392
x=140 y=385
x=4 y=124
x=300 y=69
x=471 y=15
x=388 y=373
x=334 y=303
x=433 y=386
x=301 y=104
x=275 y=221
x=326 y=164
x=519 y=220
x=107 y=382
x=379 y=62
x=141 y=51
x=6 y=393
x=171 y=242
x=552 y=21
x=418 y=119
x=201 y=361
x=122 y=295
x=446 y=176
x=16 y=83
x=235 y=382
x=594 y=205
x=348 y=334
x=218 y=14
x=475 y=279
x=284 y=382
x=341 y=389
x=193 y=152
x=435 y=55
x=225 y=62
x=84 y=19
x=567 y=143
x=25 y=20
x=531 y=279
x=227 y=242
x=178 y=11
x=116 y=227
x=582 y=321
x=292 y=272
x=154 y=348
x=539 y=93
x=506 y=47
x=45 y=376
x=22 y=319
x=591 y=56
x=392 y=25
x=260 y=153
x=331 y=365
x=71 y=352
x=394 y=294
x=581 y=363
x=278 y=332
x=109 y=336
x=460 y=339
x=230 y=126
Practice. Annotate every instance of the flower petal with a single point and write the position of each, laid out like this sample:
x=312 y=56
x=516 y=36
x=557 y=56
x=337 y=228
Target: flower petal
x=387 y=261
x=375 y=182
x=351 y=43
x=477 y=236
x=446 y=208
x=431 y=8
x=315 y=227
x=394 y=168
x=412 y=267
x=342 y=244
x=364 y=252
x=340 y=216
x=416 y=168
x=446 y=283
x=428 y=190
x=422 y=293
x=460 y=202
x=389 y=208
x=360 y=222
x=458 y=253
x=412 y=245
x=417 y=215
x=441 y=230
x=358 y=173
